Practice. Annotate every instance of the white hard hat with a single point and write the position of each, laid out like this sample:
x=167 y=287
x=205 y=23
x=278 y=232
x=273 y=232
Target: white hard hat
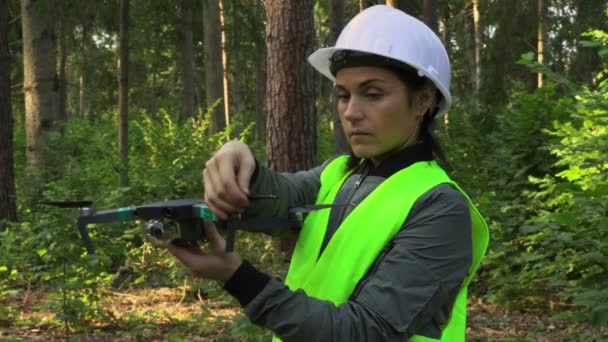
x=389 y=32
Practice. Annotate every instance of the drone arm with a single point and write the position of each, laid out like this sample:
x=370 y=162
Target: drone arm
x=84 y=234
x=115 y=215
x=122 y=214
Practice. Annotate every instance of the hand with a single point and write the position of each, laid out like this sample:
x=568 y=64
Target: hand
x=226 y=179
x=216 y=264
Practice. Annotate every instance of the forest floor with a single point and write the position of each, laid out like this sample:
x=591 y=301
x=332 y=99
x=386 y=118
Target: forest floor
x=208 y=314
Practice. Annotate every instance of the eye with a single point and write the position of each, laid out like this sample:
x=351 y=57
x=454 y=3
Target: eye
x=373 y=95
x=342 y=97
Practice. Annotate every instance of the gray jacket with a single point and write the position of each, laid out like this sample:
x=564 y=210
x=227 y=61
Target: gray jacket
x=410 y=288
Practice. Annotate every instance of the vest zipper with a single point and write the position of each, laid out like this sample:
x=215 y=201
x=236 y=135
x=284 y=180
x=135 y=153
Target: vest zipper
x=368 y=275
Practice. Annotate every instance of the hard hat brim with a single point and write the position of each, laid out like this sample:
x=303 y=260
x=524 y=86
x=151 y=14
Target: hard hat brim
x=320 y=60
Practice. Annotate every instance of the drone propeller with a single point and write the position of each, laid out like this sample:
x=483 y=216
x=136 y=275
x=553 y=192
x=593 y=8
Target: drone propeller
x=67 y=204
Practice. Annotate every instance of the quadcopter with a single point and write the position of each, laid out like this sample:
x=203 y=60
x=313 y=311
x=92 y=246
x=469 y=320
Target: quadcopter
x=180 y=221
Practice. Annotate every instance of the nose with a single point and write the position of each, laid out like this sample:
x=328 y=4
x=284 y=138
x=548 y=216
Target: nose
x=352 y=110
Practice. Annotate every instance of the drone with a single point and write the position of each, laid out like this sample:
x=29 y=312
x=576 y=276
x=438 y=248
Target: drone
x=180 y=221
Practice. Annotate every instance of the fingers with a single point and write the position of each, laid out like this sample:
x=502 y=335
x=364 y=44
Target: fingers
x=226 y=179
x=247 y=167
x=221 y=207
x=217 y=264
x=216 y=241
x=189 y=258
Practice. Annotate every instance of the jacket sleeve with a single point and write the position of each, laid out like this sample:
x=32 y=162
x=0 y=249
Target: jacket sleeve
x=409 y=290
x=292 y=189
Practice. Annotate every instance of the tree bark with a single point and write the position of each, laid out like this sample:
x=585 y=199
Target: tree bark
x=469 y=42
x=291 y=127
x=410 y=7
x=63 y=82
x=236 y=89
x=477 y=33
x=224 y=63
x=260 y=75
x=214 y=84
x=8 y=208
x=188 y=107
x=123 y=95
x=446 y=39
x=82 y=93
x=336 y=23
x=445 y=22
x=542 y=15
x=40 y=82
x=430 y=14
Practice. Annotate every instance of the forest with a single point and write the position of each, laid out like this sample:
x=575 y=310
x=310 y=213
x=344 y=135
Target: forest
x=121 y=102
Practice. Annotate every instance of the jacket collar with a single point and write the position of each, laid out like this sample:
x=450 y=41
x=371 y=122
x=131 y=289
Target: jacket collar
x=401 y=159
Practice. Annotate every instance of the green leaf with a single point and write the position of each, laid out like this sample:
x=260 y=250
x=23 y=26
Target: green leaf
x=3 y=268
x=588 y=43
x=140 y=280
x=599 y=315
x=41 y=251
x=564 y=219
x=527 y=58
x=597 y=257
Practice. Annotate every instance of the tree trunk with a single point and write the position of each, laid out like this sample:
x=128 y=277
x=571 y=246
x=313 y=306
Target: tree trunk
x=410 y=7
x=188 y=109
x=445 y=38
x=8 y=209
x=260 y=76
x=469 y=42
x=291 y=98
x=336 y=23
x=82 y=95
x=40 y=82
x=445 y=23
x=224 y=63
x=430 y=14
x=214 y=84
x=63 y=82
x=123 y=95
x=87 y=20
x=236 y=99
x=291 y=127
x=542 y=15
x=477 y=33
x=586 y=62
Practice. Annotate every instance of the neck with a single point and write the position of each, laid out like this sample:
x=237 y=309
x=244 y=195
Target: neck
x=411 y=140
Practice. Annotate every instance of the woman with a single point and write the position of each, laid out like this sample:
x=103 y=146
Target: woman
x=391 y=260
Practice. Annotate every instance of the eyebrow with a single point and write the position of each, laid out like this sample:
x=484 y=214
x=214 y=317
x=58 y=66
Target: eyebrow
x=362 y=84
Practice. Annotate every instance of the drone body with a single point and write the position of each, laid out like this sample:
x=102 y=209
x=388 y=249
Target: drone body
x=181 y=221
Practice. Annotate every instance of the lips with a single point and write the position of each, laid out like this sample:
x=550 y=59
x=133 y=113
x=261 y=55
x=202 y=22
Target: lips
x=358 y=133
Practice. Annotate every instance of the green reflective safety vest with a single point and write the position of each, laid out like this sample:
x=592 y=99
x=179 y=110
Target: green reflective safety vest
x=354 y=247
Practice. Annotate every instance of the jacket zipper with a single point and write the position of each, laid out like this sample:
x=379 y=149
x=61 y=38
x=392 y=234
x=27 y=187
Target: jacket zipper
x=358 y=182
x=368 y=275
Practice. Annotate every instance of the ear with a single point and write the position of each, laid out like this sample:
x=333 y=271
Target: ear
x=425 y=98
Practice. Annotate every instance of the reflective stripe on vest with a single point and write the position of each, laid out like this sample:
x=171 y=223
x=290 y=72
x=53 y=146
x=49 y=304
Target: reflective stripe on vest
x=354 y=247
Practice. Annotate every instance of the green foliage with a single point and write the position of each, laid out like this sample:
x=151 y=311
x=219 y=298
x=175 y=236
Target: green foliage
x=166 y=159
x=539 y=170
x=572 y=217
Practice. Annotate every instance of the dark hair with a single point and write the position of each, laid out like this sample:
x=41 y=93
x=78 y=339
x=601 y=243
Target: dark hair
x=413 y=82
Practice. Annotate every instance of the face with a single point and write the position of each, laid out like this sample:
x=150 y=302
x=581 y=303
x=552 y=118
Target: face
x=376 y=113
